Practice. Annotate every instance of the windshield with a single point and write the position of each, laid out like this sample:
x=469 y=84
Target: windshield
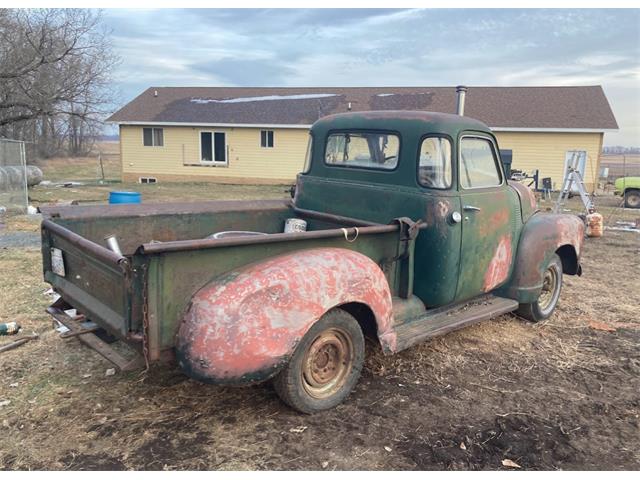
x=363 y=150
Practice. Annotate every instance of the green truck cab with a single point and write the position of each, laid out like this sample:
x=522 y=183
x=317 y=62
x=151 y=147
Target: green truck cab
x=412 y=231
x=629 y=189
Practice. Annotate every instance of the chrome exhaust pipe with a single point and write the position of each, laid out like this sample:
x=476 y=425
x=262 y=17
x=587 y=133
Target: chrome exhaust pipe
x=461 y=90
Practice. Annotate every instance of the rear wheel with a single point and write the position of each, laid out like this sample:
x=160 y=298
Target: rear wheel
x=632 y=199
x=325 y=366
x=546 y=303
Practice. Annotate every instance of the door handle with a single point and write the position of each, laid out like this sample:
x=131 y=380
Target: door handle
x=471 y=208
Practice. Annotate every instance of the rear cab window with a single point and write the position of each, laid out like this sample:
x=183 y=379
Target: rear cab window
x=478 y=163
x=372 y=150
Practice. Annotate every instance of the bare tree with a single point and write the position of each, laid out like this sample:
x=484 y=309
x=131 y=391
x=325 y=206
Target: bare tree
x=55 y=67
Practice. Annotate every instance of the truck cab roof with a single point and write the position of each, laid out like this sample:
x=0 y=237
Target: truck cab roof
x=424 y=122
x=385 y=147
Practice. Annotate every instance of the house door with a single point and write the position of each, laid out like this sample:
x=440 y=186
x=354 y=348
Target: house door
x=580 y=159
x=213 y=147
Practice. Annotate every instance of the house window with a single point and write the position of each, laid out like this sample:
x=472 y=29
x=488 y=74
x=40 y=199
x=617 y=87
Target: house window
x=213 y=147
x=266 y=138
x=153 y=137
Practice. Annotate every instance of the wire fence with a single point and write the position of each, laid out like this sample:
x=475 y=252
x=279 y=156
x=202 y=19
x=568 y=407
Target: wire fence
x=13 y=176
x=616 y=166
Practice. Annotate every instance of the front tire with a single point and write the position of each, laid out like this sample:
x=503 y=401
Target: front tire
x=545 y=304
x=632 y=199
x=325 y=366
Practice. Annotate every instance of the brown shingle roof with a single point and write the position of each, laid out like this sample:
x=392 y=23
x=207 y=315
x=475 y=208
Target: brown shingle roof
x=498 y=107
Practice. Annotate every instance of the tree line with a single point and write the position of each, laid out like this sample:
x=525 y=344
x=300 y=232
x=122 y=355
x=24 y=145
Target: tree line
x=55 y=78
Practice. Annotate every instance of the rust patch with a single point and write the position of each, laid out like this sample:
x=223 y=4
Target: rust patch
x=244 y=326
x=542 y=235
x=499 y=266
x=443 y=209
x=495 y=222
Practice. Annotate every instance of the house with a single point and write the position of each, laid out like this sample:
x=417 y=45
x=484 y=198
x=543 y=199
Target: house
x=260 y=135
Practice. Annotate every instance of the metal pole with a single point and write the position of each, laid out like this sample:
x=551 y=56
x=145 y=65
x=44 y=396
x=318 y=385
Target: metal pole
x=461 y=90
x=101 y=166
x=23 y=155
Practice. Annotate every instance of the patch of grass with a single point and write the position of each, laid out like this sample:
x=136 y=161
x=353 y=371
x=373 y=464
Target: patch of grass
x=22 y=288
x=161 y=192
x=423 y=402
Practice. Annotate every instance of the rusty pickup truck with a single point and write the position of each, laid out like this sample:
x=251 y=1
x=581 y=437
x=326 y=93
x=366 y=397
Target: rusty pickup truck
x=412 y=231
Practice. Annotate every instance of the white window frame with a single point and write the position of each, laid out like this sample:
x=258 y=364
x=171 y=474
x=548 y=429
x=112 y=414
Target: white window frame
x=213 y=160
x=496 y=158
x=273 y=138
x=153 y=137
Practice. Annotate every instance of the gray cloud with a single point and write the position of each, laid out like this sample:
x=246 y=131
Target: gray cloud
x=246 y=72
x=333 y=47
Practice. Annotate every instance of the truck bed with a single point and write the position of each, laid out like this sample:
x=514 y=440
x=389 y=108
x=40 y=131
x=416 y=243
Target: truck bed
x=166 y=256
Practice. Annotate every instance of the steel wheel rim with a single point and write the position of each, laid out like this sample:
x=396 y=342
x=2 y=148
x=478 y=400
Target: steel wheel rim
x=549 y=287
x=633 y=200
x=327 y=363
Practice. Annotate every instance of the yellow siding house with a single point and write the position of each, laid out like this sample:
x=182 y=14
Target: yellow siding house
x=260 y=135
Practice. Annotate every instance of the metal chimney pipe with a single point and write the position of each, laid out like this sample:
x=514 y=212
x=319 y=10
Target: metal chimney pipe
x=461 y=90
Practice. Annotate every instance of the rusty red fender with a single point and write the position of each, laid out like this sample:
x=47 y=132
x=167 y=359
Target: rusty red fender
x=244 y=326
x=542 y=236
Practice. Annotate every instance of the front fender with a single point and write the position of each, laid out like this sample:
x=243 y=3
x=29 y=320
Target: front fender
x=244 y=326
x=540 y=238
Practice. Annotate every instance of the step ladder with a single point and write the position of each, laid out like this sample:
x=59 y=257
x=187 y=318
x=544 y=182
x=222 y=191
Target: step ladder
x=571 y=178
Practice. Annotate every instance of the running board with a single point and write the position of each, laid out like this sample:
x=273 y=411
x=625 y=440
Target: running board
x=445 y=320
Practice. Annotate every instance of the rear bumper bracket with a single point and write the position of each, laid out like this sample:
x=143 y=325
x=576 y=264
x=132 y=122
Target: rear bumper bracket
x=56 y=310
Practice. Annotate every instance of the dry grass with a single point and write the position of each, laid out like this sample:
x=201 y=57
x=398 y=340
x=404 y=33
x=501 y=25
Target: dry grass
x=557 y=394
x=87 y=171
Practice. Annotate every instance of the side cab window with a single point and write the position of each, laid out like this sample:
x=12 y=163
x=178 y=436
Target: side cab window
x=434 y=163
x=479 y=167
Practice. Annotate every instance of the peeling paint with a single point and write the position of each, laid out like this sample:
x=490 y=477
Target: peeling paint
x=498 y=270
x=541 y=237
x=248 y=323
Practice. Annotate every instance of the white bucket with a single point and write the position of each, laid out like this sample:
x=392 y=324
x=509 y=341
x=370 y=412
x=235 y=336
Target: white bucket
x=295 y=225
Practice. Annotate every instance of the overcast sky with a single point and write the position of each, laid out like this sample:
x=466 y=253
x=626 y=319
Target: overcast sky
x=384 y=48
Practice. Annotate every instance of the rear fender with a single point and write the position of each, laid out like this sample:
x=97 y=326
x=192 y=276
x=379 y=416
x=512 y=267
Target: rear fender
x=244 y=326
x=542 y=236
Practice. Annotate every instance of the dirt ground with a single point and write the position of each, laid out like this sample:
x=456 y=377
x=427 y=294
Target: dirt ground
x=561 y=394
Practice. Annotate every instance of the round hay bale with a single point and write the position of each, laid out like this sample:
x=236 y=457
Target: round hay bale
x=34 y=175
x=4 y=179
x=16 y=176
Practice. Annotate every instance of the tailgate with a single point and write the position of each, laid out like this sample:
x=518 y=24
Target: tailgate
x=89 y=277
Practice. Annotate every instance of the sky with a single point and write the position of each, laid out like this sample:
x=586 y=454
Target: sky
x=378 y=47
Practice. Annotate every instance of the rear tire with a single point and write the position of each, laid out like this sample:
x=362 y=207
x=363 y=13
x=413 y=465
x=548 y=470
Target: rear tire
x=325 y=366
x=546 y=303
x=632 y=199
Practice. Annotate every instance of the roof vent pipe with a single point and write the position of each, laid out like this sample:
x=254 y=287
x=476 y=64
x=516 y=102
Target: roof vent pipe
x=461 y=90
x=155 y=93
x=349 y=106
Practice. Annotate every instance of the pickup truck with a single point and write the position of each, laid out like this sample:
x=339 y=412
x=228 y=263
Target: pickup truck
x=629 y=188
x=412 y=231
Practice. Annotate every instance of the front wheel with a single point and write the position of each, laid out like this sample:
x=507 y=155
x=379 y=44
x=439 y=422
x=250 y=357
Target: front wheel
x=325 y=366
x=546 y=303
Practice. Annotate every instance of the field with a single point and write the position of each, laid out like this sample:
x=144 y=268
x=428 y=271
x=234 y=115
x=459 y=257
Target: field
x=561 y=394
x=621 y=165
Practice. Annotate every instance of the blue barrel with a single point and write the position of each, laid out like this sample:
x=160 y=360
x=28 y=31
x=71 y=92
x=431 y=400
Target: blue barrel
x=124 y=197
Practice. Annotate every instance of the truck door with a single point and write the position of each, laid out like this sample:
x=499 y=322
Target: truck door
x=487 y=210
x=437 y=253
